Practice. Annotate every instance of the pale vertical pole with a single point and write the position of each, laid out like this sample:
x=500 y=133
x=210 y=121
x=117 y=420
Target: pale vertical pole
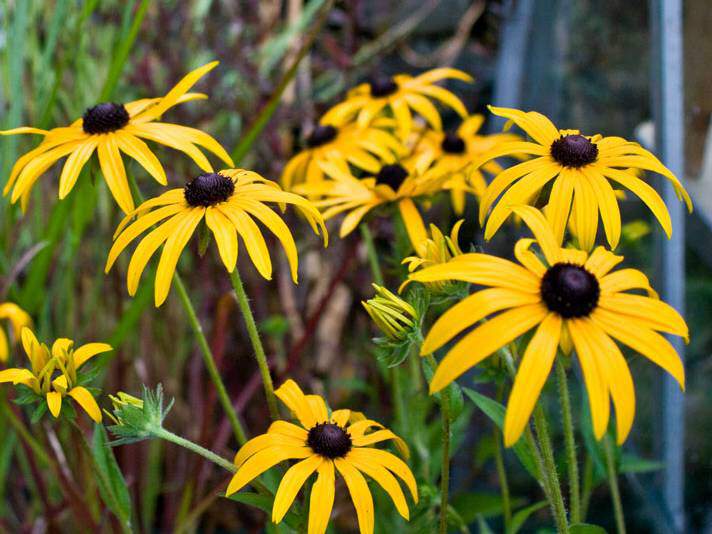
x=668 y=103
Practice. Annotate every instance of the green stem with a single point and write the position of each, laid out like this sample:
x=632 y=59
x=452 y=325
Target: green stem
x=372 y=254
x=257 y=346
x=501 y=470
x=587 y=486
x=209 y=360
x=613 y=484
x=557 y=500
x=25 y=434
x=445 y=472
x=569 y=440
x=162 y=433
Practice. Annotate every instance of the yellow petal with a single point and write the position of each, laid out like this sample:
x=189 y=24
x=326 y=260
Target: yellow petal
x=387 y=481
x=531 y=377
x=322 y=499
x=156 y=131
x=484 y=340
x=654 y=313
x=542 y=231
x=16 y=376
x=291 y=483
x=54 y=402
x=86 y=401
x=265 y=441
x=200 y=138
x=360 y=494
x=585 y=211
x=225 y=236
x=138 y=150
x=413 y=222
x=262 y=461
x=74 y=165
x=559 y=206
x=390 y=462
x=85 y=352
x=112 y=167
x=293 y=397
x=535 y=124
x=37 y=166
x=289 y=429
x=4 y=348
x=607 y=204
x=146 y=248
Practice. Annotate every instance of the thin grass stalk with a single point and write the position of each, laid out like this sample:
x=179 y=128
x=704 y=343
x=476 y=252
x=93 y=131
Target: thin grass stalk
x=613 y=484
x=372 y=254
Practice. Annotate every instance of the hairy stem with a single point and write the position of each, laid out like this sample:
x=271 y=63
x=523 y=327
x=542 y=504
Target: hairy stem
x=613 y=484
x=557 y=500
x=569 y=440
x=244 y=303
x=445 y=472
x=372 y=254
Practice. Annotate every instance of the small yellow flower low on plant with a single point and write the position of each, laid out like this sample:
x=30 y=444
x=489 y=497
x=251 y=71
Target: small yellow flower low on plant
x=19 y=319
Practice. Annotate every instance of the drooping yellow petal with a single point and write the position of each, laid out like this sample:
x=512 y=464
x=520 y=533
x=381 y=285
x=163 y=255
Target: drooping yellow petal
x=535 y=124
x=527 y=258
x=644 y=341
x=198 y=137
x=225 y=236
x=413 y=222
x=387 y=481
x=146 y=248
x=353 y=219
x=291 y=483
x=390 y=462
x=156 y=131
x=607 y=204
x=138 y=150
x=172 y=250
x=85 y=352
x=625 y=279
x=484 y=340
x=425 y=108
x=585 y=211
x=4 y=347
x=443 y=95
x=322 y=498
x=559 y=206
x=37 y=166
x=531 y=377
x=265 y=441
x=54 y=402
x=74 y=165
x=112 y=167
x=16 y=376
x=360 y=494
x=471 y=310
x=86 y=401
x=595 y=380
x=253 y=239
x=262 y=461
x=654 y=313
x=542 y=230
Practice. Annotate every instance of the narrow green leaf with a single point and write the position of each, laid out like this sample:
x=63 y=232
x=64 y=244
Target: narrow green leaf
x=586 y=528
x=522 y=515
x=495 y=411
x=112 y=485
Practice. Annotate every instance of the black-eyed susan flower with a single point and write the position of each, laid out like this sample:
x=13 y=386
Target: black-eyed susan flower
x=366 y=148
x=572 y=297
x=229 y=202
x=394 y=316
x=397 y=185
x=19 y=319
x=110 y=129
x=582 y=168
x=325 y=443
x=399 y=95
x=452 y=154
x=55 y=374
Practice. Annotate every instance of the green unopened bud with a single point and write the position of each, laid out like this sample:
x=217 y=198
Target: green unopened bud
x=393 y=315
x=137 y=419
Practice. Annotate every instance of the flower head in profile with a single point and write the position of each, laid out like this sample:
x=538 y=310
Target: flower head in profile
x=119 y=403
x=111 y=128
x=397 y=185
x=366 y=148
x=229 y=202
x=394 y=316
x=452 y=154
x=572 y=297
x=582 y=169
x=436 y=249
x=19 y=319
x=56 y=374
x=325 y=443
x=400 y=95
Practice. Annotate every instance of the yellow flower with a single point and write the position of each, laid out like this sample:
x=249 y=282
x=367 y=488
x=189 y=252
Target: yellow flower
x=19 y=319
x=366 y=148
x=453 y=153
x=228 y=202
x=582 y=168
x=325 y=443
x=53 y=375
x=394 y=184
x=393 y=315
x=110 y=129
x=572 y=297
x=437 y=249
x=400 y=94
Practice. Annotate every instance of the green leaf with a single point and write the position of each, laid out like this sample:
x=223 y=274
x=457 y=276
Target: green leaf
x=470 y=505
x=634 y=464
x=586 y=528
x=522 y=515
x=484 y=527
x=112 y=486
x=495 y=411
x=264 y=503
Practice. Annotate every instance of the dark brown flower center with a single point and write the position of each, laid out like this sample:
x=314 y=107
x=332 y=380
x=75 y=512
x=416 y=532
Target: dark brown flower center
x=321 y=135
x=105 y=118
x=329 y=440
x=570 y=290
x=393 y=175
x=208 y=189
x=382 y=85
x=574 y=150
x=453 y=143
